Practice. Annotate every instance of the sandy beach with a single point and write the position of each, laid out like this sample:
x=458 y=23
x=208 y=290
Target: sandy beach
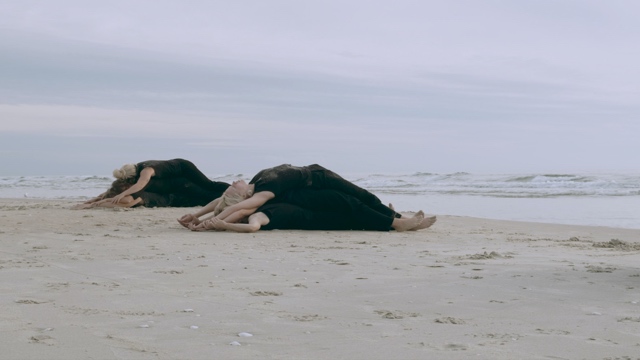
x=134 y=284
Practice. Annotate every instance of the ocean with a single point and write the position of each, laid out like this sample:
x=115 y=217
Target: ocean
x=581 y=199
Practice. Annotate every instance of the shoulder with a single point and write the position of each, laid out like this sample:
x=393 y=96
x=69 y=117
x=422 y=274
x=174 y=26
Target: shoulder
x=147 y=172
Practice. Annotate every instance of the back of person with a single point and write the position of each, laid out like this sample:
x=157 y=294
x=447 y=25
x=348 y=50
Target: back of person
x=286 y=216
x=281 y=178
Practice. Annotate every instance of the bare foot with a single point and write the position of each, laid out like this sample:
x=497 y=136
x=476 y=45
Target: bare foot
x=404 y=224
x=188 y=219
x=426 y=222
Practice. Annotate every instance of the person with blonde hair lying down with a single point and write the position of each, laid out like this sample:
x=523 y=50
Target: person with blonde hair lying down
x=310 y=209
x=188 y=195
x=141 y=175
x=272 y=183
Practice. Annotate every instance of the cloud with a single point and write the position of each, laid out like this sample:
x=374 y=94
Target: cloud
x=466 y=85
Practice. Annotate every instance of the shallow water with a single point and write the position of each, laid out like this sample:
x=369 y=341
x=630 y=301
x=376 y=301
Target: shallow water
x=581 y=199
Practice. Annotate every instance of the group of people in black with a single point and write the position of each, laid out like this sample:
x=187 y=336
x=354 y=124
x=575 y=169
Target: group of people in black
x=283 y=197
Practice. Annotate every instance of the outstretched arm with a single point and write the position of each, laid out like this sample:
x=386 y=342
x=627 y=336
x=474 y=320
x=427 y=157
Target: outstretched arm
x=205 y=224
x=126 y=202
x=143 y=180
x=187 y=219
x=97 y=198
x=256 y=221
x=254 y=202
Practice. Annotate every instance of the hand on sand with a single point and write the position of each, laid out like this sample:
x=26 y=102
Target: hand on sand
x=211 y=224
x=197 y=227
x=188 y=219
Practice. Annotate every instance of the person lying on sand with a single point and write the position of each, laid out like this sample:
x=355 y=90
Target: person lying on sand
x=314 y=209
x=272 y=183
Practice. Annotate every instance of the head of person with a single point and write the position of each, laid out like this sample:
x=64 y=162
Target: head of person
x=118 y=186
x=238 y=190
x=125 y=172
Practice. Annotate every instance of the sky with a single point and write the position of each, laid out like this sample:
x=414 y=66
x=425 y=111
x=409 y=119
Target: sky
x=359 y=86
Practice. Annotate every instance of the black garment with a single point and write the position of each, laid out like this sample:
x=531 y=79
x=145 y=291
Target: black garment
x=178 y=168
x=339 y=212
x=150 y=200
x=283 y=178
x=285 y=216
x=360 y=215
x=175 y=192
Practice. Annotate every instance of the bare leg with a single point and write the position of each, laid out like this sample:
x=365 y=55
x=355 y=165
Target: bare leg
x=404 y=224
x=426 y=222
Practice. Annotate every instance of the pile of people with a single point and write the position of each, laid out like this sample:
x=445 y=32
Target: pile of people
x=283 y=197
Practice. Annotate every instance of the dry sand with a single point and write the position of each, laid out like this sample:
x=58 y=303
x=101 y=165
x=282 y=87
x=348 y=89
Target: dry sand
x=133 y=284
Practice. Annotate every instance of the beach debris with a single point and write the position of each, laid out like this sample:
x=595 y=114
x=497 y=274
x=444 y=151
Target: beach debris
x=194 y=327
x=144 y=326
x=235 y=343
x=450 y=320
x=187 y=310
x=30 y=301
x=596 y=313
x=386 y=314
x=600 y=269
x=245 y=334
x=629 y=319
x=486 y=256
x=266 y=293
x=41 y=339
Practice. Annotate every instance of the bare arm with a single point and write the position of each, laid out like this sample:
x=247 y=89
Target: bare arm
x=206 y=223
x=254 y=202
x=187 y=219
x=143 y=180
x=256 y=221
x=126 y=202
x=239 y=215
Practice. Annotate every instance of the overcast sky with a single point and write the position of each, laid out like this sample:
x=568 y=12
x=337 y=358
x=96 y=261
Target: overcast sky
x=358 y=86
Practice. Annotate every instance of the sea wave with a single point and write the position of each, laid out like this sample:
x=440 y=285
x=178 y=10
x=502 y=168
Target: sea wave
x=520 y=185
x=542 y=185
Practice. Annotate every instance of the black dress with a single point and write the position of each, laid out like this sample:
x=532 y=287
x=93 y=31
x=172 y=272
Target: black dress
x=283 y=178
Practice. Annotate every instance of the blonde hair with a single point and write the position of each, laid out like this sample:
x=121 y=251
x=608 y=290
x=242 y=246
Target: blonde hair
x=125 y=172
x=227 y=200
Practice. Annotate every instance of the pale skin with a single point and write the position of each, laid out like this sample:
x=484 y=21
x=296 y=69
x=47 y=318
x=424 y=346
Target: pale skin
x=424 y=224
x=143 y=180
x=251 y=203
x=125 y=202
